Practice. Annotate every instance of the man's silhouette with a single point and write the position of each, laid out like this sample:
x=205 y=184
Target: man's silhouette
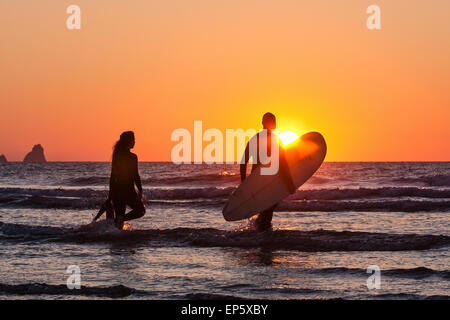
x=264 y=220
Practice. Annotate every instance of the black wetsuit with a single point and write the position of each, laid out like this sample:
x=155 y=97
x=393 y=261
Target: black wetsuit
x=124 y=175
x=264 y=219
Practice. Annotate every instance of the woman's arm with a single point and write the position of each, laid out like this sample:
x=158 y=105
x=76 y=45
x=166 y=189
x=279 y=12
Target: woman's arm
x=137 y=178
x=111 y=181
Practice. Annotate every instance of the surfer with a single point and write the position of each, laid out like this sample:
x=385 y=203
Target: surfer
x=124 y=176
x=264 y=220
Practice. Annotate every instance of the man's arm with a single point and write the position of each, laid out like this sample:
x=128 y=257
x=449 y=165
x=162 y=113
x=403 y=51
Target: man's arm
x=243 y=166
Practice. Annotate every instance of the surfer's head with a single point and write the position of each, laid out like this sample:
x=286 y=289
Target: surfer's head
x=127 y=139
x=269 y=121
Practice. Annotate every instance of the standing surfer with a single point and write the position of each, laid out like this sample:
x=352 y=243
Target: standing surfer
x=264 y=220
x=124 y=176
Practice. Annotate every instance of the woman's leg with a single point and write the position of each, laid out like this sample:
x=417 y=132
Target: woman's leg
x=119 y=209
x=138 y=209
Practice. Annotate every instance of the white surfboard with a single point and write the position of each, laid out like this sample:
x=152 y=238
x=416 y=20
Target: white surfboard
x=259 y=192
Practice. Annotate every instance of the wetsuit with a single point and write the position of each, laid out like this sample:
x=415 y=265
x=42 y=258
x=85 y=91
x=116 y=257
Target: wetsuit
x=264 y=219
x=124 y=175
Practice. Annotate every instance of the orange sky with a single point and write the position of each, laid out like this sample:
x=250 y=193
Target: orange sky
x=154 y=66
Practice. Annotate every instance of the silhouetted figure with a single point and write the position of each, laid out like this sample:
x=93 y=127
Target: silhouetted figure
x=124 y=176
x=35 y=155
x=107 y=207
x=3 y=159
x=264 y=220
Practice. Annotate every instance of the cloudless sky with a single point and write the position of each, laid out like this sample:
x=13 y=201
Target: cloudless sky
x=155 y=66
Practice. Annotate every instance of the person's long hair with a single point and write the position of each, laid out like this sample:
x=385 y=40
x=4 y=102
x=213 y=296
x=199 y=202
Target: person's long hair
x=122 y=145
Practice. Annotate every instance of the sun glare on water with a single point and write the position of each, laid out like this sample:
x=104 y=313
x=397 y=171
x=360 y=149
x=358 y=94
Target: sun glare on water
x=287 y=137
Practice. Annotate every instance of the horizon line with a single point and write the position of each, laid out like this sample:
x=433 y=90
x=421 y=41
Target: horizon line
x=337 y=161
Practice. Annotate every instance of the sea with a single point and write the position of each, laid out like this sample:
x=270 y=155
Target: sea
x=355 y=230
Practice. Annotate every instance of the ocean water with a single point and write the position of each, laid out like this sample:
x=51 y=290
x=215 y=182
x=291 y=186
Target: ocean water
x=347 y=217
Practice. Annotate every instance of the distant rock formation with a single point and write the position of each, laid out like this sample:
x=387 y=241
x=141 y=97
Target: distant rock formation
x=36 y=155
x=3 y=159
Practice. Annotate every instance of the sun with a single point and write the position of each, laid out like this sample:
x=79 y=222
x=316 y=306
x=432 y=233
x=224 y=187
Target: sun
x=287 y=137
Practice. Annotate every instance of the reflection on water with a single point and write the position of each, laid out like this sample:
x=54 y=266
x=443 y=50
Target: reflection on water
x=177 y=254
x=273 y=258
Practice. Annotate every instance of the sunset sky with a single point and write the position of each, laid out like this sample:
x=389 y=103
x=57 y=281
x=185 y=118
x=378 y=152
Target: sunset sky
x=155 y=66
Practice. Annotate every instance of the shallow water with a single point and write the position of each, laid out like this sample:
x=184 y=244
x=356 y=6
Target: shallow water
x=347 y=217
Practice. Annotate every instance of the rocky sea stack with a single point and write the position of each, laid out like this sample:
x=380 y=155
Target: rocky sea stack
x=36 y=155
x=3 y=159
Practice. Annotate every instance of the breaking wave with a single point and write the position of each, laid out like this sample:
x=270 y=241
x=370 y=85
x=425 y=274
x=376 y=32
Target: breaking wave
x=208 y=296
x=87 y=181
x=385 y=205
x=214 y=192
x=167 y=180
x=407 y=199
x=290 y=206
x=383 y=192
x=309 y=241
x=413 y=273
x=118 y=291
x=438 y=180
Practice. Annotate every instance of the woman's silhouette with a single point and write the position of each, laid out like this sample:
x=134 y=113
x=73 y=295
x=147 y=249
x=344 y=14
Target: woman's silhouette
x=124 y=175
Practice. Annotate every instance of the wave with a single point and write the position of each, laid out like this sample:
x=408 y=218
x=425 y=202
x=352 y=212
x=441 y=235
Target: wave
x=383 y=192
x=418 y=273
x=414 y=273
x=56 y=192
x=215 y=192
x=154 y=193
x=289 y=290
x=308 y=241
x=199 y=178
x=118 y=291
x=312 y=200
x=319 y=180
x=183 y=194
x=165 y=180
x=285 y=206
x=437 y=180
x=408 y=296
x=385 y=205
x=208 y=296
x=87 y=181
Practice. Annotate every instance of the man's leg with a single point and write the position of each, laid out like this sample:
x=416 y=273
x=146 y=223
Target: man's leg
x=264 y=220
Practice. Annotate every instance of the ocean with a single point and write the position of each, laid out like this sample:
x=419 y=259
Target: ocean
x=347 y=217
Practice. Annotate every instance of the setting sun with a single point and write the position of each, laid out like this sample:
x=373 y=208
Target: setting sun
x=287 y=137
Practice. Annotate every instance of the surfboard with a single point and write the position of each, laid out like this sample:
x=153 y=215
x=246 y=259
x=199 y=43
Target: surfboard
x=259 y=192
